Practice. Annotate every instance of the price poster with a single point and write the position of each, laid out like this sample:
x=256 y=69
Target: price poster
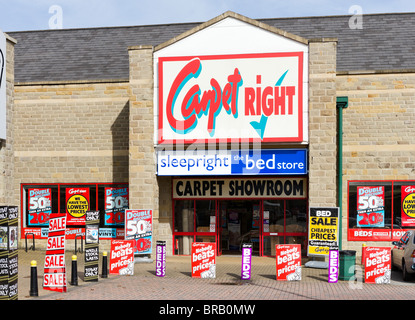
x=288 y=258
x=40 y=206
x=54 y=278
x=371 y=206
x=323 y=230
x=77 y=204
x=122 y=257
x=408 y=206
x=377 y=264
x=203 y=260
x=139 y=227
x=116 y=201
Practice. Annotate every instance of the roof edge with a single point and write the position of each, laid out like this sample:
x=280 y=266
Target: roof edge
x=231 y=14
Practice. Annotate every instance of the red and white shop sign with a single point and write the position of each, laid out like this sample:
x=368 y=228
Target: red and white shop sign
x=374 y=234
x=248 y=97
x=203 y=260
x=377 y=263
x=77 y=204
x=122 y=257
x=288 y=258
x=54 y=278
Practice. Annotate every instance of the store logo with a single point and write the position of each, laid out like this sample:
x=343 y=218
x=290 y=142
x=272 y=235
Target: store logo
x=251 y=96
x=264 y=102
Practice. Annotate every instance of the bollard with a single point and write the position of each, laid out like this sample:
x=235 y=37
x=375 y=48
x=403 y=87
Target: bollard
x=74 y=273
x=33 y=279
x=104 y=265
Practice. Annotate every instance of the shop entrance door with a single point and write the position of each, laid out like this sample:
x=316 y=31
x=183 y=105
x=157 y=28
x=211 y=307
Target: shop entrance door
x=239 y=222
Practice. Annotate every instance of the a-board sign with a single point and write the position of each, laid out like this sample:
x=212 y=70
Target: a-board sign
x=203 y=260
x=377 y=264
x=288 y=258
x=122 y=257
x=55 y=268
x=91 y=246
x=323 y=231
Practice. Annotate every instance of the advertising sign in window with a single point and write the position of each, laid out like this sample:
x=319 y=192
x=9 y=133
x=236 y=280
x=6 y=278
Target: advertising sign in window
x=116 y=201
x=77 y=204
x=371 y=206
x=408 y=206
x=40 y=206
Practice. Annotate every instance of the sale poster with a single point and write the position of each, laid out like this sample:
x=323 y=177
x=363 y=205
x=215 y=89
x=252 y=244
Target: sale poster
x=116 y=201
x=91 y=246
x=122 y=257
x=323 y=231
x=377 y=263
x=40 y=206
x=139 y=227
x=371 y=206
x=161 y=258
x=203 y=260
x=54 y=278
x=246 y=261
x=408 y=206
x=333 y=270
x=77 y=204
x=288 y=258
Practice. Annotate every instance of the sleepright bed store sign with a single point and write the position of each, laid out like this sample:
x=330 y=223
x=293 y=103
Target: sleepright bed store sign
x=252 y=97
x=229 y=162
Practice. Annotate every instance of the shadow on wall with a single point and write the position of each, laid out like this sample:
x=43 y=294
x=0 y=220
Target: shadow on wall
x=120 y=145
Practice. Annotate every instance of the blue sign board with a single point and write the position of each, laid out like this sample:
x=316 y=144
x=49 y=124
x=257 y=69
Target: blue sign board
x=228 y=162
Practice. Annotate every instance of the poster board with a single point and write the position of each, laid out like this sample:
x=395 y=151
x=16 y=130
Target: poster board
x=161 y=258
x=323 y=230
x=91 y=246
x=203 y=260
x=54 y=278
x=122 y=257
x=288 y=258
x=139 y=227
x=377 y=264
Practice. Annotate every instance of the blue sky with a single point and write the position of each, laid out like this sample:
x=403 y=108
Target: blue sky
x=20 y=15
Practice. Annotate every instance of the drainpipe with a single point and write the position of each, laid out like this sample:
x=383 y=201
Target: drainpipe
x=341 y=103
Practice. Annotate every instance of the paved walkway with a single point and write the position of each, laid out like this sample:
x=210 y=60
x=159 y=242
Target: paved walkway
x=179 y=285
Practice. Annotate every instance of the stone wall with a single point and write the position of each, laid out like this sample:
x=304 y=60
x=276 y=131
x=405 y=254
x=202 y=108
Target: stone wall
x=7 y=146
x=379 y=131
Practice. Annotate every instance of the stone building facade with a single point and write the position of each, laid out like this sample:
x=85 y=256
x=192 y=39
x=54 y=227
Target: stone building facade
x=98 y=131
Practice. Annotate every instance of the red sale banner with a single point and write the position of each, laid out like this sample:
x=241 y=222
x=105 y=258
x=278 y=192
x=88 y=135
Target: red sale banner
x=54 y=278
x=288 y=258
x=203 y=260
x=122 y=257
x=77 y=204
x=377 y=264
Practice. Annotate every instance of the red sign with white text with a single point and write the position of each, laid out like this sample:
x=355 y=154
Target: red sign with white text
x=54 y=278
x=77 y=204
x=252 y=97
x=288 y=258
x=377 y=262
x=122 y=257
x=203 y=260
